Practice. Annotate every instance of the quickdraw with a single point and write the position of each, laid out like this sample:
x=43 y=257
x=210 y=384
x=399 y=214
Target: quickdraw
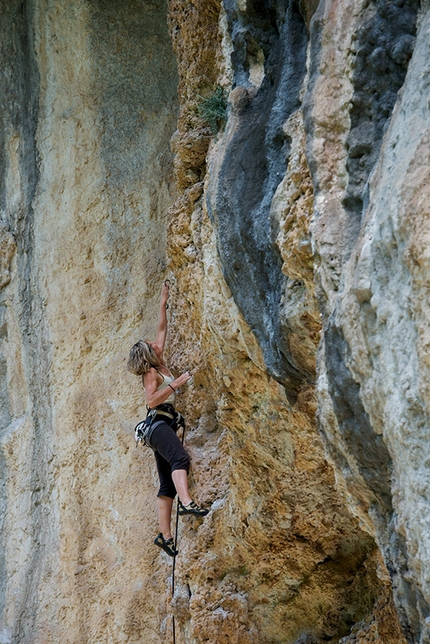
x=142 y=431
x=167 y=283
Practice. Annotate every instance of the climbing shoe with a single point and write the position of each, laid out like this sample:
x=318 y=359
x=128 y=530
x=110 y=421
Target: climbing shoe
x=192 y=508
x=166 y=544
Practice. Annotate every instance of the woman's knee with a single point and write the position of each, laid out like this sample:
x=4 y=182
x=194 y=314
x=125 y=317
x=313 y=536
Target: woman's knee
x=167 y=488
x=181 y=461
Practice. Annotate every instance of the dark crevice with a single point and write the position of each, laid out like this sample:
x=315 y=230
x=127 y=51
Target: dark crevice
x=409 y=601
x=254 y=163
x=375 y=465
x=367 y=447
x=20 y=116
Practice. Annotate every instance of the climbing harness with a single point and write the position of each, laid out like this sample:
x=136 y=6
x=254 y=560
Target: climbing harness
x=144 y=430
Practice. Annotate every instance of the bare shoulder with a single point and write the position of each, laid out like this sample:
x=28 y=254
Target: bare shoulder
x=151 y=379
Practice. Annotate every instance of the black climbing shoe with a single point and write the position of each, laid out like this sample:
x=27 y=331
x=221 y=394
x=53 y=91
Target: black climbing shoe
x=166 y=544
x=192 y=508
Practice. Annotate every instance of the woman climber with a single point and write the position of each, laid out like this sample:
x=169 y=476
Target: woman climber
x=146 y=359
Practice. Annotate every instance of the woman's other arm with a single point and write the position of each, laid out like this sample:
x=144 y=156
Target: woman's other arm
x=154 y=397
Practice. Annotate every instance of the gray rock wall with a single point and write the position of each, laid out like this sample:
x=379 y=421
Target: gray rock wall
x=373 y=403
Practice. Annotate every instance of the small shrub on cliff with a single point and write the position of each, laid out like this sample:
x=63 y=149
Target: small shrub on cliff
x=213 y=109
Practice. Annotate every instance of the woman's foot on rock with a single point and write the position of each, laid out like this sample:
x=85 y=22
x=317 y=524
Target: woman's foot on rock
x=192 y=508
x=166 y=544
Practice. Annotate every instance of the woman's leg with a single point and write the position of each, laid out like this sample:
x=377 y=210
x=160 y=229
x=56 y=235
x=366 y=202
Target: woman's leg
x=165 y=504
x=173 y=463
x=166 y=494
x=180 y=479
x=170 y=450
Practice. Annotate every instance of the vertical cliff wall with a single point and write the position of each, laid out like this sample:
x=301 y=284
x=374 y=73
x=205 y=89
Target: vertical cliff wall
x=86 y=184
x=294 y=235
x=371 y=374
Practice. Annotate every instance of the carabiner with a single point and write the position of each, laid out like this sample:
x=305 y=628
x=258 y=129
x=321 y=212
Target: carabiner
x=167 y=283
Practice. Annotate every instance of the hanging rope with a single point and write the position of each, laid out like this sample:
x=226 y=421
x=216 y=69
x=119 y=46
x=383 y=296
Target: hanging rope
x=176 y=547
x=167 y=283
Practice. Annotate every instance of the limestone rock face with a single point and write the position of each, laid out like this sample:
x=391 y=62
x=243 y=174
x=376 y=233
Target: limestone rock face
x=371 y=343
x=373 y=361
x=295 y=240
x=87 y=178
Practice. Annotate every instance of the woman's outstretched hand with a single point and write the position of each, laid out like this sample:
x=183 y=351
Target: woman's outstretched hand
x=183 y=379
x=165 y=293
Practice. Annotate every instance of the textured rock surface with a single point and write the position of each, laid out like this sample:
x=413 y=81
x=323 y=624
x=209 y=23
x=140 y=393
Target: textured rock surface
x=381 y=312
x=373 y=408
x=301 y=224
x=245 y=175
x=278 y=554
x=87 y=180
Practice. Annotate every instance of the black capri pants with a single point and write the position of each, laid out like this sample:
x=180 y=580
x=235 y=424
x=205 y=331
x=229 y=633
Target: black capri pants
x=170 y=455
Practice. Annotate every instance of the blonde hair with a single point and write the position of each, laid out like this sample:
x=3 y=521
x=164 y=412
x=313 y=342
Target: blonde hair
x=141 y=358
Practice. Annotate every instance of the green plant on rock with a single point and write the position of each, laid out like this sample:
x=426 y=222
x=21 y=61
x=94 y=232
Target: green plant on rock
x=213 y=109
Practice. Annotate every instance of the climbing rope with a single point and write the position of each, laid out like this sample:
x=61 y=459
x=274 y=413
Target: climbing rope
x=175 y=546
x=168 y=283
